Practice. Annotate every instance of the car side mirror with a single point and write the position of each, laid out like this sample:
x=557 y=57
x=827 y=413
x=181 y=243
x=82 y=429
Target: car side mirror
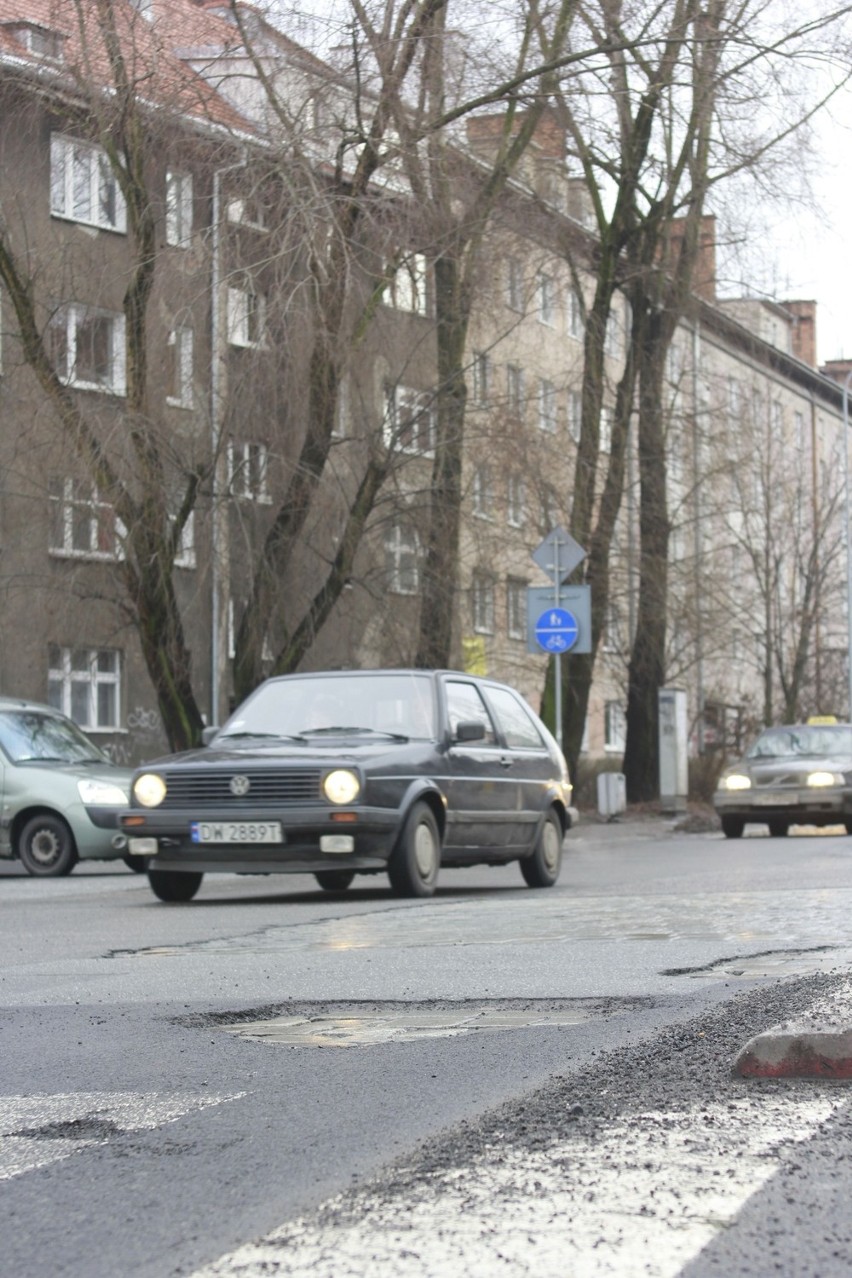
x=470 y=730
x=207 y=734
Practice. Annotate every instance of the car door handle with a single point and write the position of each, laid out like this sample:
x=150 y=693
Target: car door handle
x=506 y=763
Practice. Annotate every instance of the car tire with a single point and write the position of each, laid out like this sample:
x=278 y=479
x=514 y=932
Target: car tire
x=415 y=861
x=848 y=825
x=732 y=827
x=174 y=885
x=138 y=864
x=779 y=829
x=542 y=868
x=334 y=880
x=46 y=847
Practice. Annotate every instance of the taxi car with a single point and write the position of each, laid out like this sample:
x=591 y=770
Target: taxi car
x=61 y=795
x=358 y=772
x=798 y=774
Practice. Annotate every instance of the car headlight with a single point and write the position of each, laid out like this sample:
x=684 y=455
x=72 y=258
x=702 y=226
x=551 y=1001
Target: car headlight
x=341 y=786
x=824 y=778
x=149 y=790
x=736 y=781
x=103 y=794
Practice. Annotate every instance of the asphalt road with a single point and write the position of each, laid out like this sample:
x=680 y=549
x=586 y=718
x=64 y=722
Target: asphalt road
x=494 y=1081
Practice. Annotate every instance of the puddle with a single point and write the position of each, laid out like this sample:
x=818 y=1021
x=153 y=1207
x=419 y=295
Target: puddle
x=358 y=1026
x=770 y=964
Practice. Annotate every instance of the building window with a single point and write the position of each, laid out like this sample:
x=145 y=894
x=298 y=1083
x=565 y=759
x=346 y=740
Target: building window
x=612 y=334
x=777 y=418
x=734 y=399
x=615 y=727
x=247 y=211
x=481 y=377
x=482 y=594
x=402 y=560
x=185 y=550
x=248 y=470
x=483 y=493
x=408 y=286
x=86 y=348
x=40 y=41
x=516 y=608
x=81 y=523
x=83 y=187
x=607 y=418
x=547 y=406
x=178 y=209
x=246 y=317
x=515 y=389
x=178 y=368
x=409 y=421
x=575 y=314
x=514 y=284
x=516 y=501
x=546 y=300
x=85 y=685
x=799 y=427
x=575 y=414
x=145 y=7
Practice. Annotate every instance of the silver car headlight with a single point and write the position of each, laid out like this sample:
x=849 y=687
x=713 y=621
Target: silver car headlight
x=824 y=779
x=341 y=786
x=102 y=794
x=736 y=781
x=149 y=789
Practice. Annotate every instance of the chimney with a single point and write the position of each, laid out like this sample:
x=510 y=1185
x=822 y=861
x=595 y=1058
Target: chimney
x=704 y=272
x=804 y=330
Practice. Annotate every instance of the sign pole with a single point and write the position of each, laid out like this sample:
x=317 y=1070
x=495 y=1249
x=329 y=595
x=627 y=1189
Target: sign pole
x=558 y=671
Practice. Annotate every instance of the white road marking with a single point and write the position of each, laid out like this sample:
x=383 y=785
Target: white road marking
x=27 y=1141
x=640 y=1196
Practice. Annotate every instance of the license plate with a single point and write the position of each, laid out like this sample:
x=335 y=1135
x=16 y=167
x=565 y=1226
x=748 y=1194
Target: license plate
x=236 y=832
x=776 y=800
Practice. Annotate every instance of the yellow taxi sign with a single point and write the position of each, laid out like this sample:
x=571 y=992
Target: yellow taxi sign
x=823 y=718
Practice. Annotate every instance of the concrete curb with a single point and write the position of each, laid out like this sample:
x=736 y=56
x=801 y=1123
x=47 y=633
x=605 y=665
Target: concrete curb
x=797 y=1051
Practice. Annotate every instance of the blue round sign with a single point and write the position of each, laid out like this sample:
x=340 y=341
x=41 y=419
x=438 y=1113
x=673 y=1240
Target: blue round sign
x=556 y=630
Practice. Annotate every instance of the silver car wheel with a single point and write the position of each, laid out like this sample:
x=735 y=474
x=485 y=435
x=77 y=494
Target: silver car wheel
x=425 y=850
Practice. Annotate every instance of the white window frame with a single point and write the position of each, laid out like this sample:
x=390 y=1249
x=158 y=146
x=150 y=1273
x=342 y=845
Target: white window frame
x=63 y=679
x=514 y=284
x=179 y=208
x=402 y=560
x=246 y=317
x=409 y=285
x=575 y=314
x=607 y=421
x=83 y=187
x=248 y=470
x=546 y=299
x=516 y=501
x=405 y=399
x=516 y=608
x=70 y=318
x=72 y=499
x=481 y=377
x=181 y=338
x=548 y=407
x=185 y=552
x=515 y=389
x=482 y=603
x=40 y=41
x=245 y=211
x=483 y=493
x=575 y=415
x=615 y=727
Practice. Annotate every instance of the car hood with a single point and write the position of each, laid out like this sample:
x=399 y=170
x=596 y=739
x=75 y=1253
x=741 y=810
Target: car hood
x=79 y=771
x=794 y=764
x=275 y=753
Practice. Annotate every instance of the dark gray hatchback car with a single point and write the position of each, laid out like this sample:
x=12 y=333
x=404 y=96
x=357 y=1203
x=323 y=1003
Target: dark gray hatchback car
x=358 y=772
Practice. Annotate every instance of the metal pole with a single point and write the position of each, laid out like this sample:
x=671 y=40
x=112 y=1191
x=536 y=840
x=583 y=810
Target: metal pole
x=558 y=672
x=848 y=547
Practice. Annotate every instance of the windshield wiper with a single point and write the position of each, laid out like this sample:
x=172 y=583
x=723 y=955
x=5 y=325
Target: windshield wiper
x=352 y=731
x=269 y=736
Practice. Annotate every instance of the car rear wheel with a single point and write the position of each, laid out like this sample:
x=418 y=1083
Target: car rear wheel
x=732 y=827
x=778 y=829
x=46 y=847
x=848 y=825
x=174 y=885
x=416 y=859
x=542 y=868
x=334 y=880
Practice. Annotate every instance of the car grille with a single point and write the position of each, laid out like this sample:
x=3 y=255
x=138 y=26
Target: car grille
x=781 y=779
x=209 y=786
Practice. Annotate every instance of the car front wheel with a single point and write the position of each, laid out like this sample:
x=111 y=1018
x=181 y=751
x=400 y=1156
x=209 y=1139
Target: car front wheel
x=174 y=885
x=542 y=868
x=416 y=859
x=732 y=827
x=46 y=847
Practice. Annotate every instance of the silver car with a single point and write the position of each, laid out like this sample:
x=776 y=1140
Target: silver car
x=61 y=795
x=799 y=774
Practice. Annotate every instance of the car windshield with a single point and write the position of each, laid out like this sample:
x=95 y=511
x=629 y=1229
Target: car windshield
x=814 y=742
x=30 y=734
x=395 y=705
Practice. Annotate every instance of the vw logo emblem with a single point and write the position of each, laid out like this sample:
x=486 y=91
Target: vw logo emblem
x=240 y=786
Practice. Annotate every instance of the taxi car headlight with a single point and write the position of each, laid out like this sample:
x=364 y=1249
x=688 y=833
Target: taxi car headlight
x=102 y=794
x=149 y=790
x=824 y=778
x=341 y=786
x=736 y=781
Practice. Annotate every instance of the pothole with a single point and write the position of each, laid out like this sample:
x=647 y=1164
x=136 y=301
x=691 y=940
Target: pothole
x=368 y=1025
x=767 y=963
x=86 y=1129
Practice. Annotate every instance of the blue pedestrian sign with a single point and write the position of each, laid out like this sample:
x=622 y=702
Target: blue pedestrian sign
x=557 y=630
